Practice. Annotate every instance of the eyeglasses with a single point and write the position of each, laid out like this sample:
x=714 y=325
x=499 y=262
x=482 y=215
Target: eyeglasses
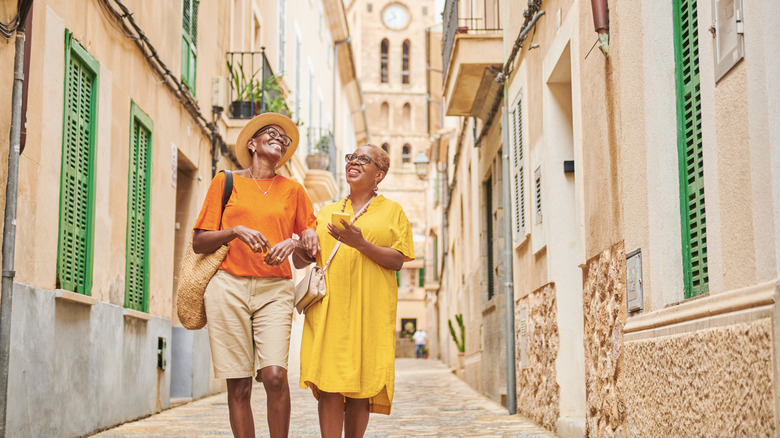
x=275 y=135
x=361 y=159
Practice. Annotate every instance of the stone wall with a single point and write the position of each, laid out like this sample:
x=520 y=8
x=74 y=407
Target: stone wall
x=715 y=382
x=538 y=394
x=604 y=314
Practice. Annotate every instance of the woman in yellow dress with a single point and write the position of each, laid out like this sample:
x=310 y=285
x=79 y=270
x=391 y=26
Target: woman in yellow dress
x=348 y=344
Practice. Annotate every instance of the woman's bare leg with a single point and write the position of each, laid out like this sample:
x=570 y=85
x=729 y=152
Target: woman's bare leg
x=240 y=407
x=278 y=391
x=356 y=417
x=331 y=411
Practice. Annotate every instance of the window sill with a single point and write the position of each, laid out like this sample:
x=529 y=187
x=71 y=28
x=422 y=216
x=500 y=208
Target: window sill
x=73 y=297
x=131 y=313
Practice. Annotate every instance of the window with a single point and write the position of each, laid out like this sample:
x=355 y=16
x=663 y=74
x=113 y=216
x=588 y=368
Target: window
x=406 y=154
x=138 y=201
x=282 y=37
x=489 y=237
x=518 y=177
x=189 y=43
x=690 y=151
x=386 y=147
x=384 y=115
x=383 y=61
x=538 y=194
x=407 y=117
x=405 y=62
x=77 y=185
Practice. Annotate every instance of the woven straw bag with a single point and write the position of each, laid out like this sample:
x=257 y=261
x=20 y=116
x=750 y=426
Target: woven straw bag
x=196 y=272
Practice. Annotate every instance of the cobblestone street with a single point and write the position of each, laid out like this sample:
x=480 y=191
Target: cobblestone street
x=429 y=401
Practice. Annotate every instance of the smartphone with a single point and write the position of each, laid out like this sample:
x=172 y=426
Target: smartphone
x=336 y=218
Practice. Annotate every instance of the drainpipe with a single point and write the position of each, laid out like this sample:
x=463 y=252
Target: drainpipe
x=9 y=232
x=601 y=23
x=509 y=289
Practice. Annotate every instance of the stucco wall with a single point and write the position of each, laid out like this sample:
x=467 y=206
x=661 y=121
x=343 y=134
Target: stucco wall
x=713 y=382
x=538 y=393
x=604 y=303
x=76 y=369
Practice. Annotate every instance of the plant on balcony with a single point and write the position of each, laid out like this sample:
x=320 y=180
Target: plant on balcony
x=275 y=101
x=248 y=92
x=318 y=157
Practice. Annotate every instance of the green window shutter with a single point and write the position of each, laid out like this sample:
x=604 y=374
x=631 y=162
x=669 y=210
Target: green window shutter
x=77 y=185
x=436 y=258
x=189 y=42
x=398 y=278
x=690 y=151
x=138 y=202
x=489 y=236
x=421 y=277
x=518 y=173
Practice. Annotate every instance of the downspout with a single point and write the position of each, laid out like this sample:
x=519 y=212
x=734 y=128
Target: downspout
x=9 y=230
x=509 y=290
x=601 y=23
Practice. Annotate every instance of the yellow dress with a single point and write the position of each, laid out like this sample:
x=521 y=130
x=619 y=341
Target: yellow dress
x=348 y=343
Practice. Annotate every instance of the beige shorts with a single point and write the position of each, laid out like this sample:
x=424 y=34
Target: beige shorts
x=249 y=321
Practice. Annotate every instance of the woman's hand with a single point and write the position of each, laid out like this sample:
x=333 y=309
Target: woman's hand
x=252 y=238
x=279 y=252
x=311 y=242
x=350 y=235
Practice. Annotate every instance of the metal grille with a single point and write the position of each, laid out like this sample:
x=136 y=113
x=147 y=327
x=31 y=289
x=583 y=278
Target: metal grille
x=137 y=266
x=480 y=16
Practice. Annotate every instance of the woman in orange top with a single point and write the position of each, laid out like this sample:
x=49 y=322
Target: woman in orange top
x=249 y=301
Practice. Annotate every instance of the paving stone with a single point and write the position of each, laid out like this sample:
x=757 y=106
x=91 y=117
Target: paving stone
x=429 y=401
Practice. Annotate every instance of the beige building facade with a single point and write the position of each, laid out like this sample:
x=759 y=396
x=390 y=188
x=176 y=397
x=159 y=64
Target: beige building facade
x=644 y=200
x=128 y=113
x=392 y=39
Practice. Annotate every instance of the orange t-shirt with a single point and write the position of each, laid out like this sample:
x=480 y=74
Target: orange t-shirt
x=286 y=210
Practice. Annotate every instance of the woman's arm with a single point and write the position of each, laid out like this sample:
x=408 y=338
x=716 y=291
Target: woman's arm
x=351 y=235
x=205 y=241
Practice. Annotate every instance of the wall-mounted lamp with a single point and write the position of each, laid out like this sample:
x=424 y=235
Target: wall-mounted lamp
x=421 y=165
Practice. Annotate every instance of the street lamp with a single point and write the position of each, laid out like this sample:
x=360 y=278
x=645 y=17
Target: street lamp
x=421 y=165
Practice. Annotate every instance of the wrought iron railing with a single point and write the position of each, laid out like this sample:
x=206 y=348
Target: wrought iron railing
x=481 y=16
x=252 y=84
x=320 y=142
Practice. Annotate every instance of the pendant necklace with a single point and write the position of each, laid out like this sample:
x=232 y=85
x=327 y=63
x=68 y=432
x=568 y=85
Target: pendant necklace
x=265 y=192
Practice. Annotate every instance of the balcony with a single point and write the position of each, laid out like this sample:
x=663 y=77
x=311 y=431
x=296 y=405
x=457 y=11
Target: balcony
x=472 y=43
x=322 y=161
x=253 y=87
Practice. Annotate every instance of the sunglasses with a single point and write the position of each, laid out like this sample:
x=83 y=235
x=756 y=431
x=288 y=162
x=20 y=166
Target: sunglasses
x=275 y=135
x=361 y=159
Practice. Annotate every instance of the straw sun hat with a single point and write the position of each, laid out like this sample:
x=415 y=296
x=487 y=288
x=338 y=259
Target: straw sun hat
x=261 y=121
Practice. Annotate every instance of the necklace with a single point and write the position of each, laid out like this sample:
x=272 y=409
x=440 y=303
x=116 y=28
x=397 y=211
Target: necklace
x=362 y=210
x=265 y=192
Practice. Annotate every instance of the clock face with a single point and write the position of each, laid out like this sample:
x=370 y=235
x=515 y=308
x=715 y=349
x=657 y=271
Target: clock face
x=395 y=17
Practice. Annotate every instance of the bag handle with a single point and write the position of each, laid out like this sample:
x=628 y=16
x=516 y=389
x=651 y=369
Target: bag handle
x=338 y=244
x=227 y=190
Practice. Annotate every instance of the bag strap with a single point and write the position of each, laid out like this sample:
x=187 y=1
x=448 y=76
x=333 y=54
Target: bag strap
x=227 y=190
x=338 y=244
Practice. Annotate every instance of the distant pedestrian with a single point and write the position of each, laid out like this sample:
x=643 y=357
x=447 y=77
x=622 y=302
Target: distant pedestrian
x=249 y=301
x=348 y=344
x=420 y=341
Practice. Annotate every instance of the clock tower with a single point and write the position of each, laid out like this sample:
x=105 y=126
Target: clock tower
x=390 y=38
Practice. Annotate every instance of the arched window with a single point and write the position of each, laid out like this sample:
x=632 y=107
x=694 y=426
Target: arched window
x=384 y=116
x=383 y=61
x=406 y=118
x=405 y=62
x=406 y=154
x=386 y=147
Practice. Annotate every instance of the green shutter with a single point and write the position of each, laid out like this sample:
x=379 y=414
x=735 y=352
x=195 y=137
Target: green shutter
x=189 y=42
x=421 y=277
x=138 y=202
x=489 y=236
x=436 y=258
x=77 y=184
x=689 y=141
x=398 y=278
x=518 y=173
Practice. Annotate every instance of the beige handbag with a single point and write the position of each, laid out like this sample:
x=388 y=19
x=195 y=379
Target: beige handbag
x=312 y=288
x=196 y=272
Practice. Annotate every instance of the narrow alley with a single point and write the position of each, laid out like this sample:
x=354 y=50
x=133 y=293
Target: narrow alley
x=429 y=401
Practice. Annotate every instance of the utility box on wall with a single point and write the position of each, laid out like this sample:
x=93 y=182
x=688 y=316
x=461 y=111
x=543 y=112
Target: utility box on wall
x=728 y=30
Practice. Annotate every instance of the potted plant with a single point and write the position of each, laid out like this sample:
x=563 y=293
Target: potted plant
x=274 y=98
x=318 y=157
x=460 y=344
x=247 y=91
x=424 y=351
